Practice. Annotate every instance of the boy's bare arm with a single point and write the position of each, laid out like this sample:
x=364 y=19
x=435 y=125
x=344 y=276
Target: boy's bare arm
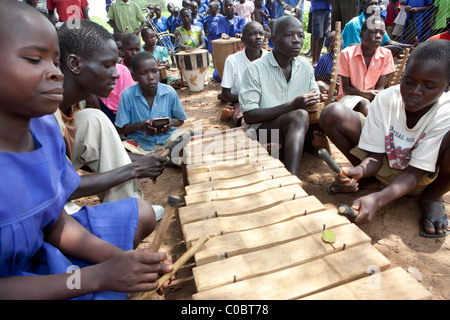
x=145 y=125
x=228 y=96
x=116 y=270
x=74 y=240
x=303 y=101
x=147 y=166
x=349 y=89
x=403 y=184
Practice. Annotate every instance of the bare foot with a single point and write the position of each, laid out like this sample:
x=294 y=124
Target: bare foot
x=227 y=113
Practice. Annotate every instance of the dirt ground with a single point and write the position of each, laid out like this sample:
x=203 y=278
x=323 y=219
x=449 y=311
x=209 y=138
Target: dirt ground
x=394 y=231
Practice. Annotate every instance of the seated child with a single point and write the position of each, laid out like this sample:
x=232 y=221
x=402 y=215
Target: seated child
x=142 y=103
x=364 y=67
x=235 y=65
x=161 y=55
x=41 y=244
x=91 y=138
x=118 y=39
x=404 y=142
x=131 y=45
x=323 y=70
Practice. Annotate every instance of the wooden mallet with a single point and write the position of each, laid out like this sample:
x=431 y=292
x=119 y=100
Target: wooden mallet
x=173 y=201
x=176 y=266
x=324 y=155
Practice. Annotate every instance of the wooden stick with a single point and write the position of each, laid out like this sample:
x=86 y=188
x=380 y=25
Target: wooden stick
x=323 y=153
x=172 y=205
x=336 y=53
x=176 y=266
x=399 y=72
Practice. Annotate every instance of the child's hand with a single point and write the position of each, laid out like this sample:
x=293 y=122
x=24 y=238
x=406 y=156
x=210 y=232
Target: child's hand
x=306 y=100
x=167 y=283
x=166 y=128
x=133 y=271
x=353 y=172
x=147 y=126
x=150 y=165
x=367 y=207
x=324 y=96
x=371 y=94
x=346 y=185
x=224 y=36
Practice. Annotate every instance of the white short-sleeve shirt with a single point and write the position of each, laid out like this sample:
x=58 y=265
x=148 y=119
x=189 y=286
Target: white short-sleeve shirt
x=234 y=68
x=385 y=131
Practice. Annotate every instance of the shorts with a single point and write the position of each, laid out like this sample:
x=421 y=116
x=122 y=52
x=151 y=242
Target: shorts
x=134 y=147
x=321 y=22
x=350 y=101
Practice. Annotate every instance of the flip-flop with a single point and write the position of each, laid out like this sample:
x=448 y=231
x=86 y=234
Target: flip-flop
x=335 y=185
x=441 y=219
x=331 y=192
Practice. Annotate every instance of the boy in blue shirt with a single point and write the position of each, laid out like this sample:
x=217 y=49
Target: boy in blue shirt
x=140 y=104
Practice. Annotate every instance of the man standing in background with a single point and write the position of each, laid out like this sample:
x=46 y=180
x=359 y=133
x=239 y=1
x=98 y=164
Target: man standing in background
x=125 y=16
x=344 y=11
x=67 y=10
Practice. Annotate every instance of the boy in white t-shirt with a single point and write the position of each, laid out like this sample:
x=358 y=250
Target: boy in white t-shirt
x=404 y=142
x=235 y=65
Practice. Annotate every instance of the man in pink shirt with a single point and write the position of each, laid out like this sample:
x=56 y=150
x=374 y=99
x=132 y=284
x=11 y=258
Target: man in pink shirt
x=68 y=9
x=364 y=67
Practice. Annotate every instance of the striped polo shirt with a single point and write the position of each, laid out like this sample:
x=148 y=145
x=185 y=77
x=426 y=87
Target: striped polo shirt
x=264 y=84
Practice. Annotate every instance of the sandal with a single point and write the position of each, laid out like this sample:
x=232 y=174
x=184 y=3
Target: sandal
x=434 y=221
x=336 y=186
x=332 y=185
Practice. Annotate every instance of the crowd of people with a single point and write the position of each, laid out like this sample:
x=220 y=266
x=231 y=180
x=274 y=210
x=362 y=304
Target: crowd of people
x=76 y=96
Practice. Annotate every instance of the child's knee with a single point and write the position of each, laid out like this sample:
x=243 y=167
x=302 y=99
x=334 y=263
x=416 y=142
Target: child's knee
x=331 y=113
x=147 y=219
x=298 y=116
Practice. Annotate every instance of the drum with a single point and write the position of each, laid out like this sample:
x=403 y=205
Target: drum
x=222 y=49
x=193 y=66
x=162 y=72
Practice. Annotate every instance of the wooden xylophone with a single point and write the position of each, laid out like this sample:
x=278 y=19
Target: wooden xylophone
x=266 y=232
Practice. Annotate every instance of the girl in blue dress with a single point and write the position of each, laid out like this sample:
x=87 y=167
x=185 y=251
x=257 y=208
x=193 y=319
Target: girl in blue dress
x=44 y=252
